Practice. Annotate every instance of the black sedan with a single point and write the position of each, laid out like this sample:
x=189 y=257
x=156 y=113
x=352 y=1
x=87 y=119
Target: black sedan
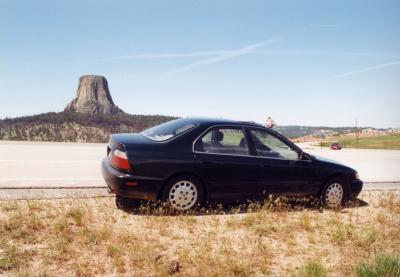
x=186 y=162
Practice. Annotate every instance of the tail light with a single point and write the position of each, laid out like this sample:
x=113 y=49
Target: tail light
x=119 y=160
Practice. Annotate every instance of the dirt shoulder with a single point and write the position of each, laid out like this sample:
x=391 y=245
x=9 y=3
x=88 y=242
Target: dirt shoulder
x=31 y=193
x=66 y=237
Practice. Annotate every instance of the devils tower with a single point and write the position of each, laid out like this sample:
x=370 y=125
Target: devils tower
x=93 y=97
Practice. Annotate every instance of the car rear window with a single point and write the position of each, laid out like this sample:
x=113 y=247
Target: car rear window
x=168 y=130
x=224 y=140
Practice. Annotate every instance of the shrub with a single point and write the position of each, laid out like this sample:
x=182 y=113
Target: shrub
x=382 y=266
x=312 y=269
x=76 y=214
x=9 y=258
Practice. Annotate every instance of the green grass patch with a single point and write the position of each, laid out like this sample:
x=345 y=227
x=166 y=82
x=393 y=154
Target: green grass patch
x=9 y=258
x=12 y=257
x=382 y=266
x=380 y=142
x=312 y=269
x=76 y=214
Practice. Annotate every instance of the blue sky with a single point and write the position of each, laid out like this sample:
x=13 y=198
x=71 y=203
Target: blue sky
x=301 y=62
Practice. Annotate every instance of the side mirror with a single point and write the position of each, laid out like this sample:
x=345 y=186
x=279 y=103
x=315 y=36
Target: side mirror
x=304 y=156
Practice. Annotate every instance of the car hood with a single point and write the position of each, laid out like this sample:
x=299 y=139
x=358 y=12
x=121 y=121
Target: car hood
x=330 y=162
x=323 y=159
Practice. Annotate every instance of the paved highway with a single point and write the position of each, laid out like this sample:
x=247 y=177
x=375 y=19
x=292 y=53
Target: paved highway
x=373 y=165
x=36 y=164
x=74 y=168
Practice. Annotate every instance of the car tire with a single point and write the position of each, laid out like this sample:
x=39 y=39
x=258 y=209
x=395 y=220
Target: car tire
x=124 y=203
x=183 y=193
x=334 y=194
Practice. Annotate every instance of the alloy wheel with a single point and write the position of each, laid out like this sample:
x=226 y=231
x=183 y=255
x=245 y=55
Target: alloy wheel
x=334 y=195
x=183 y=195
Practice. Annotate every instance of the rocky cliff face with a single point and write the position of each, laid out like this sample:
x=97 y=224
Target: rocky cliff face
x=93 y=97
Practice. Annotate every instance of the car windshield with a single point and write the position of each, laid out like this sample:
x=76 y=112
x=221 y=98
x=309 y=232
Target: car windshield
x=168 y=130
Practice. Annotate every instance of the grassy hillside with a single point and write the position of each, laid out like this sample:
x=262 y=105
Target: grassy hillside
x=74 y=127
x=380 y=142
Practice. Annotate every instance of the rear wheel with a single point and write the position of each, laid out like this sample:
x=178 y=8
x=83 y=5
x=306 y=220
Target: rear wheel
x=334 y=194
x=183 y=193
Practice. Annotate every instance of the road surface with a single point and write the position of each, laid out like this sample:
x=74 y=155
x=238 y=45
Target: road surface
x=42 y=169
x=373 y=165
x=48 y=164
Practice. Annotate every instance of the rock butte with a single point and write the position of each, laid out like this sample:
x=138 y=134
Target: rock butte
x=93 y=97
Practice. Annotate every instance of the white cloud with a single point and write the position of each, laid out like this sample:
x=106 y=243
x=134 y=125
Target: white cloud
x=155 y=56
x=224 y=56
x=366 y=69
x=324 y=53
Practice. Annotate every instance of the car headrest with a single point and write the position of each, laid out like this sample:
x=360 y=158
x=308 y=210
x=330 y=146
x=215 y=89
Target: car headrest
x=242 y=143
x=219 y=136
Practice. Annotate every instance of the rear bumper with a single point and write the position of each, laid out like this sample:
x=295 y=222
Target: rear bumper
x=147 y=188
x=355 y=188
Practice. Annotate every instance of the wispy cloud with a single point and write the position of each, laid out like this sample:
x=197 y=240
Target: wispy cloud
x=154 y=56
x=224 y=56
x=218 y=55
x=324 y=53
x=366 y=69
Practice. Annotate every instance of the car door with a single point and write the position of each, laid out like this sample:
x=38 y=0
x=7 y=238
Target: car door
x=281 y=171
x=223 y=161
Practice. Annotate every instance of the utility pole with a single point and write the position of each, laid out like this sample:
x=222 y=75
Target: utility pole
x=356 y=134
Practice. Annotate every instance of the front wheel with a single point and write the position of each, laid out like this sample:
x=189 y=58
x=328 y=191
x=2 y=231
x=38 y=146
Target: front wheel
x=183 y=193
x=334 y=194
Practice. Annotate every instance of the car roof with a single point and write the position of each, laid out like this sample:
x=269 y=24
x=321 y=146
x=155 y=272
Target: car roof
x=220 y=121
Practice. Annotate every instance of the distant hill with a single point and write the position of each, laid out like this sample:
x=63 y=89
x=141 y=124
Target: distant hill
x=75 y=127
x=302 y=131
x=92 y=116
x=293 y=132
x=83 y=127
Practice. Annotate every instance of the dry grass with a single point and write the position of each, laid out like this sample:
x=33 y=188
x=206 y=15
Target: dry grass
x=85 y=237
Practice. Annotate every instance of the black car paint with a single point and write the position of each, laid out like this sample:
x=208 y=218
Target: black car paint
x=224 y=177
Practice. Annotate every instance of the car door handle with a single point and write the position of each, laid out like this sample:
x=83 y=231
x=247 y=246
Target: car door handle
x=266 y=165
x=206 y=162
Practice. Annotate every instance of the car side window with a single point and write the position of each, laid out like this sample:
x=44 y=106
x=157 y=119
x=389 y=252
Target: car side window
x=230 y=141
x=270 y=146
